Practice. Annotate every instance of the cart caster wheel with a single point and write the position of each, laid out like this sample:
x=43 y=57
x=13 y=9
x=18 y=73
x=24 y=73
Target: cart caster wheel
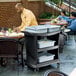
x=28 y=68
x=36 y=70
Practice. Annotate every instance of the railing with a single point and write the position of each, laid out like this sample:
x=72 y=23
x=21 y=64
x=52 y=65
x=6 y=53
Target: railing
x=51 y=4
x=73 y=3
x=66 y=2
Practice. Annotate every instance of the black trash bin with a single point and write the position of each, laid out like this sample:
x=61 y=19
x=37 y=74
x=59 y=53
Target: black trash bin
x=54 y=73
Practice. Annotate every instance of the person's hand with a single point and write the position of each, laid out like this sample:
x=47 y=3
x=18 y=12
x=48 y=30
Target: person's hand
x=63 y=27
x=16 y=29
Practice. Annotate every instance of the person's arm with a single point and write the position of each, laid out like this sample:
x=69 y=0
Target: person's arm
x=68 y=21
x=59 y=17
x=72 y=26
x=26 y=22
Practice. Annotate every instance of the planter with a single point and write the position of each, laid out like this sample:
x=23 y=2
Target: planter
x=43 y=20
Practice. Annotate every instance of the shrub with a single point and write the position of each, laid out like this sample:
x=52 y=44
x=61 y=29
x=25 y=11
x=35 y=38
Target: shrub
x=45 y=15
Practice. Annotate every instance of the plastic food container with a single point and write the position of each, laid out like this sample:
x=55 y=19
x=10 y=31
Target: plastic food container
x=37 y=29
x=42 y=28
x=46 y=57
x=45 y=43
x=52 y=28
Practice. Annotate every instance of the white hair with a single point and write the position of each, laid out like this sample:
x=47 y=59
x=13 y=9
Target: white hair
x=19 y=5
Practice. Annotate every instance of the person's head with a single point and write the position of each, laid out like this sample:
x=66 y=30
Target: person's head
x=63 y=13
x=19 y=7
x=73 y=15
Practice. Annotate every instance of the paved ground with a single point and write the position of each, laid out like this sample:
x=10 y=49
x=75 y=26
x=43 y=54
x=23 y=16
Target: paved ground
x=67 y=63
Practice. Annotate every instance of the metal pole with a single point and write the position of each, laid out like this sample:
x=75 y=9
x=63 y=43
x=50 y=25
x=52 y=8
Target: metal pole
x=61 y=1
x=69 y=7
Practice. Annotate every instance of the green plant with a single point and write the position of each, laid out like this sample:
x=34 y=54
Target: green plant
x=55 y=1
x=45 y=15
x=54 y=16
